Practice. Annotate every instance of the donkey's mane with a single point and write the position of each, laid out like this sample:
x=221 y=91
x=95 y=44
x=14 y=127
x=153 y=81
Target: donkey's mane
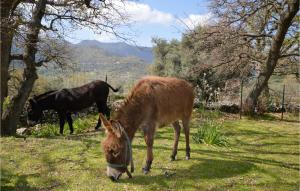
x=130 y=100
x=127 y=102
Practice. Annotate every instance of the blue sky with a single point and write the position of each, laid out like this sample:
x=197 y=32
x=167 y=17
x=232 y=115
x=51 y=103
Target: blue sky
x=155 y=18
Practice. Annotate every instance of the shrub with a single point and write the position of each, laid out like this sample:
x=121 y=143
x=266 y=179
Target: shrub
x=209 y=133
x=45 y=130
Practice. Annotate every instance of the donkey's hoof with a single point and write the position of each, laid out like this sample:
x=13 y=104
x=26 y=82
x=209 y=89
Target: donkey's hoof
x=187 y=157
x=146 y=171
x=172 y=158
x=98 y=127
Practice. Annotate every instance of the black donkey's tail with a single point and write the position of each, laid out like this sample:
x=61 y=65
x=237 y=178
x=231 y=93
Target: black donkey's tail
x=113 y=89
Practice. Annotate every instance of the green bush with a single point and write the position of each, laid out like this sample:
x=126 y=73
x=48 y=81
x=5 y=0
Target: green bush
x=209 y=133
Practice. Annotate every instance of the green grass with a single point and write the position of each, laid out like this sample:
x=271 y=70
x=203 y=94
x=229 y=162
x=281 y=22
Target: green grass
x=262 y=155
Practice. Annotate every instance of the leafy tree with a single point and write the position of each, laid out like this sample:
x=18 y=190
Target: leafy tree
x=160 y=51
x=198 y=60
x=270 y=27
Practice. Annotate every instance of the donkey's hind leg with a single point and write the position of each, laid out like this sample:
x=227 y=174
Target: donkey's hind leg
x=100 y=110
x=70 y=122
x=186 y=128
x=98 y=124
x=177 y=128
x=62 y=118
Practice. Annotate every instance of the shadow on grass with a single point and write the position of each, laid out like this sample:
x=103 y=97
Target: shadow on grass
x=292 y=143
x=13 y=182
x=204 y=169
x=233 y=156
x=210 y=168
x=19 y=182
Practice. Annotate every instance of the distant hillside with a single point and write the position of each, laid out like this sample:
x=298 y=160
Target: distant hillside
x=92 y=60
x=121 y=49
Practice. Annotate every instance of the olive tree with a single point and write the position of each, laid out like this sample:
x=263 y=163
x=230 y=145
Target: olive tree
x=270 y=27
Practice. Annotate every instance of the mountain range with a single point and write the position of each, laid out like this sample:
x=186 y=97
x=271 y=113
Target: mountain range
x=120 y=49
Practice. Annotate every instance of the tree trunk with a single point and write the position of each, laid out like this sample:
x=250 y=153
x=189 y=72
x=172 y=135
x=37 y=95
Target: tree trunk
x=273 y=56
x=5 y=53
x=6 y=42
x=11 y=116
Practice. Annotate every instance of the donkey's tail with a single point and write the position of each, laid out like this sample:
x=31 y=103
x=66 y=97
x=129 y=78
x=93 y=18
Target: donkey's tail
x=113 y=89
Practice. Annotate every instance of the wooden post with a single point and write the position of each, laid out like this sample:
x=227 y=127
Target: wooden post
x=282 y=103
x=241 y=102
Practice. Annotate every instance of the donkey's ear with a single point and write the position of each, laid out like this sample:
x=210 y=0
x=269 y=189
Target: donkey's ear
x=105 y=122
x=116 y=127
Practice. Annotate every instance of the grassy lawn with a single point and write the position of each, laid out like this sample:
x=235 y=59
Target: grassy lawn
x=263 y=154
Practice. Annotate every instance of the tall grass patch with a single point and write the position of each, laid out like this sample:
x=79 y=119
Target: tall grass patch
x=210 y=133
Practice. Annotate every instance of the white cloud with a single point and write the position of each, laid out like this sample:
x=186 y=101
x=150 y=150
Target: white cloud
x=193 y=20
x=129 y=13
x=140 y=12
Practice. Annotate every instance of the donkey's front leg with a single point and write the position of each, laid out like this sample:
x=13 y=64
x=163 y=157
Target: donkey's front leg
x=149 y=137
x=185 y=124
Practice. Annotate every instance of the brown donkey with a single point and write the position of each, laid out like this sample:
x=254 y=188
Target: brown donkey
x=153 y=102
